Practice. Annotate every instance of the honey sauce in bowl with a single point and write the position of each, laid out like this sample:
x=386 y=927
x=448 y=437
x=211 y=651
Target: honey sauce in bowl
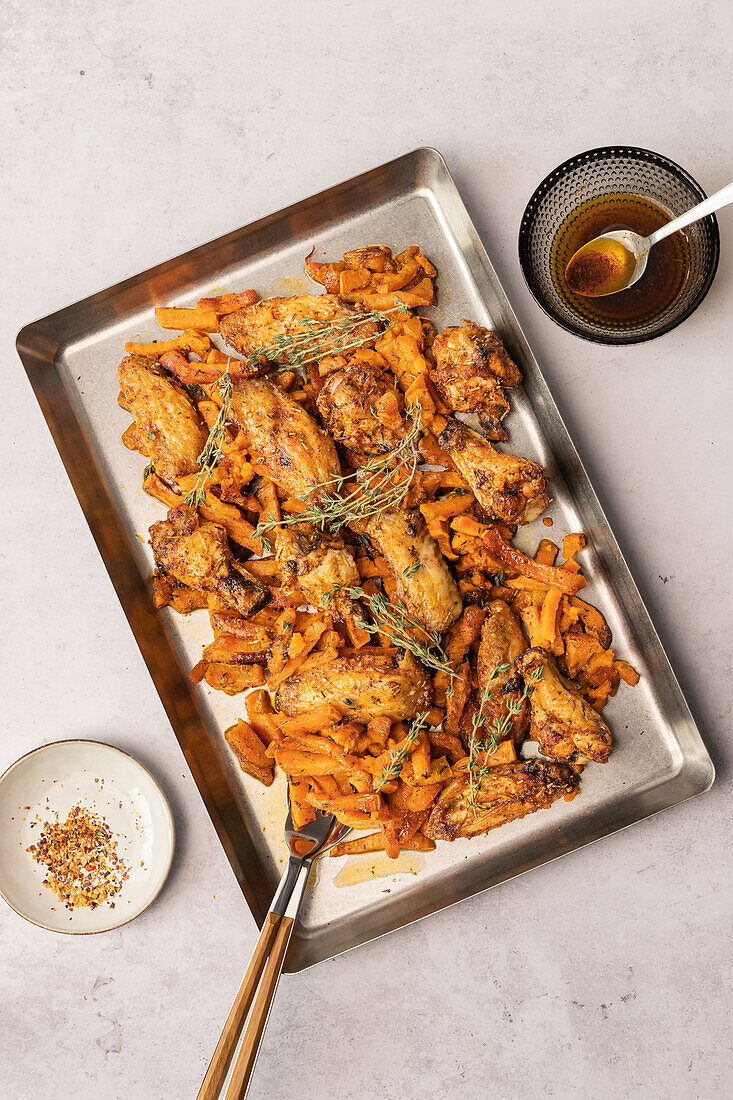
x=667 y=269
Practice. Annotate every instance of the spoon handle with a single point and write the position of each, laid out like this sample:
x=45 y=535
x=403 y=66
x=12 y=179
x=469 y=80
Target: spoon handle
x=715 y=202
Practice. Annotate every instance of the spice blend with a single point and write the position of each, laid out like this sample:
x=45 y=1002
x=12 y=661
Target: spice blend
x=83 y=867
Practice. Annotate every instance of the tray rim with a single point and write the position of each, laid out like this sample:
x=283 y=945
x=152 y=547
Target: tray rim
x=40 y=343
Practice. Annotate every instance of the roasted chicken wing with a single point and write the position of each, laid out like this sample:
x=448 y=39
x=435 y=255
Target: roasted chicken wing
x=282 y=437
x=190 y=551
x=510 y=488
x=362 y=408
x=321 y=565
x=472 y=369
x=265 y=325
x=507 y=792
x=364 y=687
x=167 y=428
x=502 y=641
x=561 y=722
x=422 y=576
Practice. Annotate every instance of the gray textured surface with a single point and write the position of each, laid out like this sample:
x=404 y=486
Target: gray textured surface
x=129 y=137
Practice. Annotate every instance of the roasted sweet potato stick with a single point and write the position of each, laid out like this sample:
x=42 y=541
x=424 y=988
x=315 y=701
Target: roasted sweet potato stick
x=515 y=559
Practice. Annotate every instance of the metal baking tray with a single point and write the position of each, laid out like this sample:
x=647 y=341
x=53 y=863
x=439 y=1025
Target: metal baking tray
x=71 y=358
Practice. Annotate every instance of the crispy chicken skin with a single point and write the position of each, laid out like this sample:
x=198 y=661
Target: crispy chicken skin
x=257 y=328
x=362 y=409
x=316 y=561
x=429 y=591
x=510 y=488
x=508 y=792
x=196 y=554
x=562 y=723
x=472 y=369
x=283 y=437
x=502 y=641
x=168 y=429
x=362 y=687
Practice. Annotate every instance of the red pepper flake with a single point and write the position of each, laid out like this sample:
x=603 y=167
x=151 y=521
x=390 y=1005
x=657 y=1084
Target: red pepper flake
x=81 y=859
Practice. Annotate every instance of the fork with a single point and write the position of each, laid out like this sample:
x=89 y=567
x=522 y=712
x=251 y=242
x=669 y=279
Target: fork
x=267 y=960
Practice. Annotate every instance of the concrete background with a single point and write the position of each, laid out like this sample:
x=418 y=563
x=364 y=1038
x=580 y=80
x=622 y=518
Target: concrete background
x=132 y=132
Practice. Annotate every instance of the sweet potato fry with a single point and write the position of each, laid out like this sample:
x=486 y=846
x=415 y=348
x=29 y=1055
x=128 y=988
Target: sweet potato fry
x=546 y=553
x=389 y=836
x=628 y=674
x=228 y=303
x=311 y=636
x=592 y=620
x=316 y=720
x=515 y=559
x=297 y=762
x=446 y=744
x=448 y=507
x=190 y=340
x=263 y=719
x=374 y=842
x=506 y=753
x=250 y=752
x=203 y=320
x=302 y=811
x=233 y=650
x=233 y=678
x=420 y=798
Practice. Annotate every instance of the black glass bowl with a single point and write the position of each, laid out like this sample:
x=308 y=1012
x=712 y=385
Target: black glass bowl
x=592 y=175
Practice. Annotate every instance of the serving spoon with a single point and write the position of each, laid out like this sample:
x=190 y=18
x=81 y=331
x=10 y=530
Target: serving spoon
x=616 y=260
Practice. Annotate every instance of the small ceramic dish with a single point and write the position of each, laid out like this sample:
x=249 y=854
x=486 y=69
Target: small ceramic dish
x=589 y=178
x=43 y=786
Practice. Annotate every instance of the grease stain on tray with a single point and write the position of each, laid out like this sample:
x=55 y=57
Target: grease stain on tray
x=288 y=286
x=363 y=869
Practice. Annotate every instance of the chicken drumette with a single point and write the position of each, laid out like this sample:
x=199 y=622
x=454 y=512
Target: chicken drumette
x=167 y=428
x=502 y=641
x=562 y=723
x=362 y=408
x=194 y=553
x=472 y=369
x=282 y=437
x=423 y=579
x=505 y=793
x=367 y=686
x=323 y=567
x=509 y=488
x=274 y=324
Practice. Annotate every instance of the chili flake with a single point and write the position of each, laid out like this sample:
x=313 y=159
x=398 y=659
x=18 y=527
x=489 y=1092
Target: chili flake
x=82 y=863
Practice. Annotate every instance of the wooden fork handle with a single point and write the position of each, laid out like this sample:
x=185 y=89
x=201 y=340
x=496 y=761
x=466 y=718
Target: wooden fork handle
x=260 y=1011
x=219 y=1064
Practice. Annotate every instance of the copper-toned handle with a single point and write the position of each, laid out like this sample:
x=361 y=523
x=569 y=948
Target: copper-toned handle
x=256 y=1024
x=219 y=1064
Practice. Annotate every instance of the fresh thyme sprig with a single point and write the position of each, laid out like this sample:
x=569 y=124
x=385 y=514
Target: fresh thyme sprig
x=211 y=455
x=398 y=757
x=393 y=621
x=313 y=340
x=382 y=485
x=500 y=727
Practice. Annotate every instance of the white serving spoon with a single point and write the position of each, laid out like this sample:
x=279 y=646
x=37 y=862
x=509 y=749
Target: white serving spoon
x=616 y=260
